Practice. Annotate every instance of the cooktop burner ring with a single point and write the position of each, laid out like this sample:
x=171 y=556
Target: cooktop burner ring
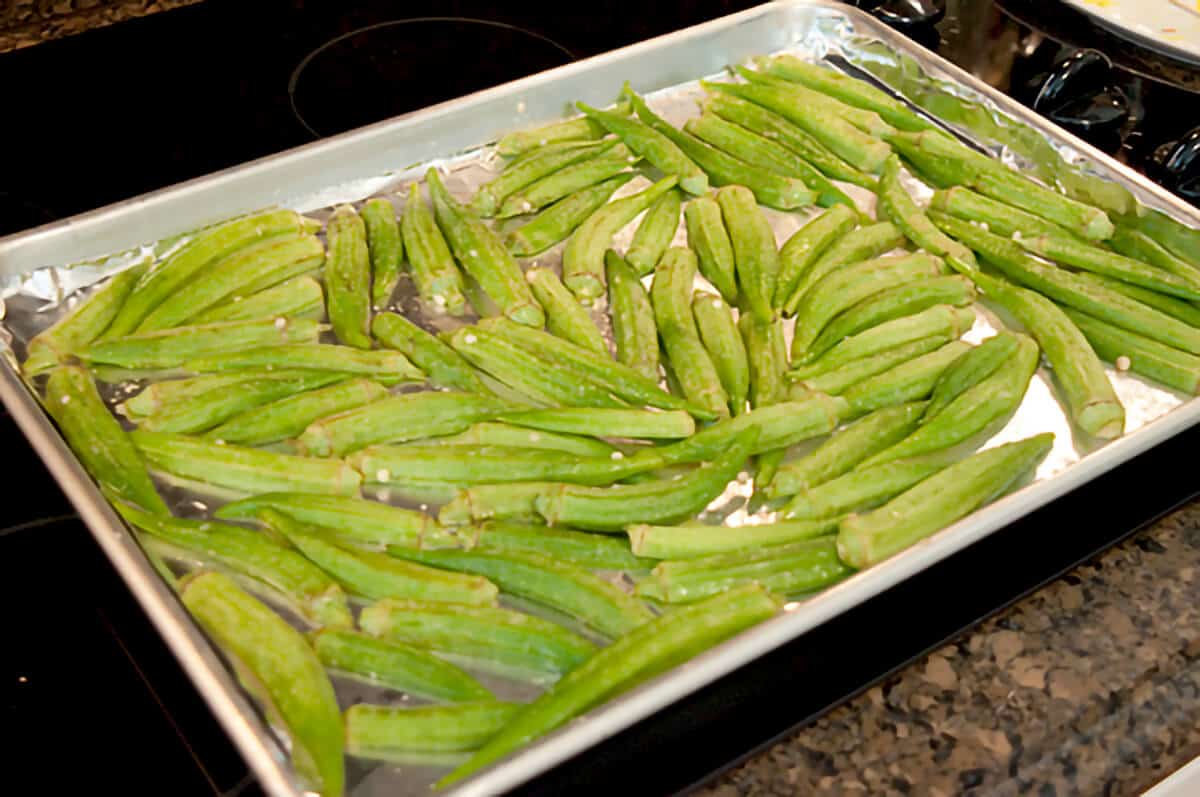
x=548 y=47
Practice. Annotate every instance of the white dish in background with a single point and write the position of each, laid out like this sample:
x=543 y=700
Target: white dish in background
x=1166 y=26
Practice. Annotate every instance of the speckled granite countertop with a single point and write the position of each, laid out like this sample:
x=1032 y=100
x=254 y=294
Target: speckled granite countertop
x=27 y=22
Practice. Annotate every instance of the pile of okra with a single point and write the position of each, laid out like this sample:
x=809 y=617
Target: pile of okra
x=574 y=476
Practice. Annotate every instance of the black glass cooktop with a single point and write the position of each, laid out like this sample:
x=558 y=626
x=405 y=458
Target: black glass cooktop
x=92 y=697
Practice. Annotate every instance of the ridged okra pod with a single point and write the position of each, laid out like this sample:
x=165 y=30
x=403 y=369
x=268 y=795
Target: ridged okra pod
x=388 y=366
x=655 y=233
x=910 y=381
x=865 y=120
x=487 y=433
x=971 y=369
x=437 y=278
x=838 y=379
x=807 y=244
x=217 y=406
x=709 y=239
x=901 y=210
x=171 y=348
x=756 y=257
x=855 y=246
x=861 y=489
x=692 y=541
x=993 y=215
x=557 y=222
x=299 y=297
x=592 y=551
x=443 y=365
x=529 y=170
x=348 y=278
x=578 y=129
x=631 y=423
x=1092 y=258
x=723 y=341
x=391 y=732
x=396 y=666
x=1172 y=367
x=575 y=178
x=651 y=144
x=290 y=416
x=385 y=246
x=941 y=320
x=565 y=317
x=634 y=332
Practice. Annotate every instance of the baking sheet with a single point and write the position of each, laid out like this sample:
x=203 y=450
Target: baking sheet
x=37 y=288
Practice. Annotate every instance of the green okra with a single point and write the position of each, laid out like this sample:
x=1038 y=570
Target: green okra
x=910 y=381
x=772 y=126
x=1181 y=309
x=570 y=180
x=565 y=317
x=488 y=433
x=492 y=501
x=865 y=120
x=375 y=576
x=288 y=417
x=387 y=731
x=855 y=246
x=580 y=364
x=584 y=549
x=171 y=348
x=723 y=342
x=519 y=175
x=560 y=585
x=844 y=450
x=259 y=265
x=385 y=246
x=786 y=569
x=484 y=257
x=767 y=154
x=1071 y=289
x=437 y=278
x=635 y=334
x=613 y=508
x=583 y=259
x=1138 y=245
x=509 y=363
x=398 y=419
x=992 y=215
x=354 y=520
x=280 y=571
x=906 y=299
x=806 y=245
x=390 y=366
x=756 y=257
x=645 y=652
x=861 y=150
x=443 y=365
x=849 y=90
x=580 y=128
x=1176 y=237
x=861 y=489
x=1125 y=349
x=154 y=398
x=631 y=423
x=348 y=278
x=770 y=188
x=842 y=289
x=941 y=320
x=396 y=666
x=655 y=233
x=96 y=437
x=299 y=297
x=971 y=369
x=709 y=239
x=493 y=636
x=217 y=406
x=557 y=222
x=766 y=357
x=84 y=324
x=281 y=668
x=204 y=249
x=693 y=541
x=901 y=210
x=671 y=295
x=649 y=143
x=836 y=380
x=1091 y=258
x=943 y=498
x=244 y=469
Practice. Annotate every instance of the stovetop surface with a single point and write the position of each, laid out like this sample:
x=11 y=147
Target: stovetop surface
x=113 y=113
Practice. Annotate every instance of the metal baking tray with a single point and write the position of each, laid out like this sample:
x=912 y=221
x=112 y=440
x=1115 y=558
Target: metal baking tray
x=41 y=267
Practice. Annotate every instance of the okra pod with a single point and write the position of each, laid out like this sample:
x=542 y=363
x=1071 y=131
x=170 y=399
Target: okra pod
x=492 y=501
x=398 y=419
x=865 y=120
x=855 y=246
x=1138 y=245
x=282 y=669
x=484 y=257
x=634 y=331
x=244 y=469
x=96 y=437
x=160 y=395
x=992 y=215
x=655 y=233
x=844 y=450
x=1172 y=367
x=390 y=366
x=658 y=150
x=695 y=540
x=767 y=358
x=550 y=582
x=557 y=222
x=290 y=416
x=846 y=287
x=488 y=433
x=901 y=210
x=808 y=244
x=171 y=348
x=756 y=257
x=580 y=128
x=374 y=575
x=491 y=635
x=565 y=317
x=786 y=569
x=861 y=489
x=723 y=342
x=902 y=300
x=671 y=294
x=299 y=297
x=1091 y=258
x=910 y=381
x=385 y=246
x=1177 y=238
x=348 y=278
x=277 y=570
x=528 y=171
x=82 y=325
x=437 y=278
x=866 y=540
x=583 y=259
x=593 y=551
x=709 y=239
x=838 y=379
x=385 y=732
x=362 y=523
x=444 y=366
x=941 y=320
x=971 y=369
x=396 y=666
x=1188 y=312
x=645 y=652
x=638 y=424
x=565 y=182
x=217 y=406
